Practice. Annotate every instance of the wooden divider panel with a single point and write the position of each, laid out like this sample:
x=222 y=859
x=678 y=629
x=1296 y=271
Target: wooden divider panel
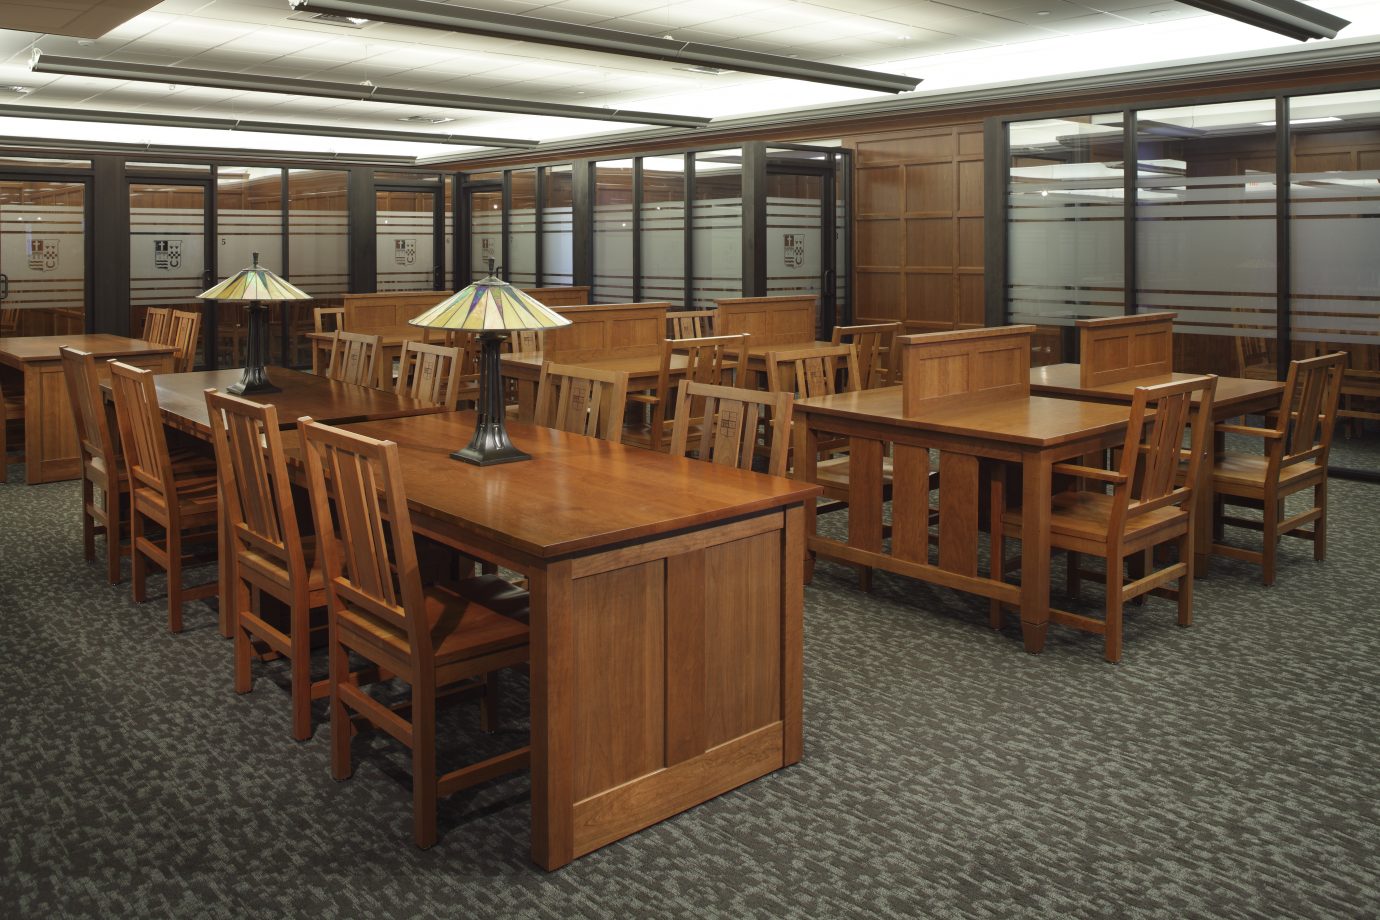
x=948 y=368
x=769 y=320
x=1117 y=348
x=387 y=312
x=607 y=330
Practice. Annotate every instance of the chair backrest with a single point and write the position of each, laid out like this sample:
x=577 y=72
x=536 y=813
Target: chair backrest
x=94 y=436
x=813 y=371
x=706 y=359
x=430 y=373
x=157 y=322
x=728 y=429
x=354 y=357
x=184 y=335
x=255 y=489
x=1308 y=409
x=141 y=430
x=371 y=570
x=875 y=348
x=327 y=319
x=526 y=341
x=584 y=400
x=9 y=320
x=1152 y=457
x=1253 y=355
x=690 y=324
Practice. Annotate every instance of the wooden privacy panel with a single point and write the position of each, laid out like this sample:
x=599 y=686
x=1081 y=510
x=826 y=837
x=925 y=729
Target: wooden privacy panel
x=601 y=330
x=1117 y=348
x=387 y=312
x=948 y=368
x=769 y=320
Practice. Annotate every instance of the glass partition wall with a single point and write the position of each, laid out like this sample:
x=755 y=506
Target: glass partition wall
x=1255 y=220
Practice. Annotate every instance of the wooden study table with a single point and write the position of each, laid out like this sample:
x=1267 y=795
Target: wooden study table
x=50 y=432
x=666 y=616
x=1235 y=396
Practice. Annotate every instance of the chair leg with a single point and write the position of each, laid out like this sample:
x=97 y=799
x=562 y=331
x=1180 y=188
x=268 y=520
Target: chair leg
x=341 y=729
x=488 y=712
x=1073 y=577
x=1186 y=580
x=239 y=591
x=1320 y=525
x=300 y=643
x=1112 y=647
x=996 y=545
x=173 y=546
x=140 y=564
x=113 y=528
x=88 y=520
x=1270 y=537
x=423 y=765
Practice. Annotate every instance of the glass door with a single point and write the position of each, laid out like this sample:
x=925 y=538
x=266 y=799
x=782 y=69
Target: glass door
x=410 y=238
x=170 y=257
x=801 y=234
x=42 y=257
x=484 y=207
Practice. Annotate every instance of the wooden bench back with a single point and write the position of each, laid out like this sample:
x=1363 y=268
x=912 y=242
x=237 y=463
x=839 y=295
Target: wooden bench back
x=785 y=320
x=387 y=312
x=607 y=330
x=941 y=369
x=1116 y=348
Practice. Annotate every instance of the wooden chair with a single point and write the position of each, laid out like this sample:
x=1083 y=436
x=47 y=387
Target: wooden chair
x=435 y=640
x=184 y=335
x=729 y=418
x=1150 y=505
x=1294 y=459
x=327 y=319
x=584 y=400
x=1254 y=359
x=183 y=505
x=690 y=324
x=268 y=553
x=526 y=341
x=706 y=359
x=354 y=358
x=9 y=321
x=157 y=321
x=102 y=465
x=431 y=373
x=875 y=349
x=11 y=410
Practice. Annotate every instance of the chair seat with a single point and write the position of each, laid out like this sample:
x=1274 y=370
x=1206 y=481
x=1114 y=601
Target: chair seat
x=835 y=472
x=498 y=594
x=1086 y=516
x=196 y=499
x=270 y=568
x=1236 y=469
x=460 y=628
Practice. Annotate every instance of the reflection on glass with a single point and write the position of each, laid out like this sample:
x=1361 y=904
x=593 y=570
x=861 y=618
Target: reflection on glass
x=1064 y=232
x=522 y=228
x=663 y=230
x=249 y=219
x=318 y=233
x=795 y=234
x=450 y=284
x=1205 y=228
x=613 y=253
x=486 y=231
x=717 y=219
x=167 y=248
x=43 y=256
x=557 y=247
x=405 y=238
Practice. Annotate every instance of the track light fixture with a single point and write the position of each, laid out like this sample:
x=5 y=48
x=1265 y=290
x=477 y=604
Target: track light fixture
x=589 y=38
x=184 y=76
x=267 y=127
x=1286 y=17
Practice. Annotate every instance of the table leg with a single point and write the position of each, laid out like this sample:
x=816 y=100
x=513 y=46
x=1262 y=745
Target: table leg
x=806 y=449
x=1203 y=507
x=552 y=670
x=1036 y=474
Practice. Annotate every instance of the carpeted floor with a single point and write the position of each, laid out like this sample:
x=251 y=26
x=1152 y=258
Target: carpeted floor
x=1228 y=770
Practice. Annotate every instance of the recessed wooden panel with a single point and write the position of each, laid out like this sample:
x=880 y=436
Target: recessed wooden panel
x=958 y=513
x=599 y=330
x=970 y=186
x=879 y=190
x=1110 y=352
x=931 y=145
x=625 y=332
x=885 y=150
x=742 y=622
x=942 y=375
x=972 y=300
x=970 y=242
x=879 y=296
x=619 y=715
x=930 y=242
x=970 y=143
x=946 y=369
x=930 y=297
x=878 y=243
x=1000 y=367
x=1117 y=348
x=769 y=320
x=930 y=187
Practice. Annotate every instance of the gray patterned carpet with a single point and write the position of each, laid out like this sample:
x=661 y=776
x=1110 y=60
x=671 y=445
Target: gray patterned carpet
x=1229 y=770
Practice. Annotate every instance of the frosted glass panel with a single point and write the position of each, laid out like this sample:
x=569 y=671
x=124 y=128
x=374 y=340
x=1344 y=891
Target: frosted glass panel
x=249 y=219
x=486 y=232
x=405 y=241
x=450 y=284
x=557 y=242
x=794 y=247
x=522 y=228
x=1205 y=229
x=318 y=233
x=663 y=230
x=1065 y=250
x=717 y=218
x=167 y=248
x=613 y=236
x=43 y=254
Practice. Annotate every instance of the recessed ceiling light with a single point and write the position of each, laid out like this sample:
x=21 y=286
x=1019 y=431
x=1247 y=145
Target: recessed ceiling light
x=701 y=68
x=428 y=119
x=1042 y=12
x=1302 y=121
x=16 y=88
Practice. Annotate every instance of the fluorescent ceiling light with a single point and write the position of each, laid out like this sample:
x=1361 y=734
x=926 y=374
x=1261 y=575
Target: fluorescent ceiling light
x=264 y=127
x=256 y=83
x=1287 y=17
x=1302 y=121
x=612 y=41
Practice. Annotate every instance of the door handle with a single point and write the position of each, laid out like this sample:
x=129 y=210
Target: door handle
x=4 y=286
x=207 y=279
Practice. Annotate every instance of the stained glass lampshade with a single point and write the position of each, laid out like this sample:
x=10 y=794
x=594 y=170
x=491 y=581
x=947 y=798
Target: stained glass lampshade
x=254 y=285
x=490 y=308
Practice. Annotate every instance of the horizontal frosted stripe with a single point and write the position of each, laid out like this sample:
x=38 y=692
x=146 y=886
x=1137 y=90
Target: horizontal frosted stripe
x=1199 y=300
x=1331 y=210
x=1202 y=181
x=1339 y=338
x=1065 y=211
x=1262 y=211
x=1310 y=304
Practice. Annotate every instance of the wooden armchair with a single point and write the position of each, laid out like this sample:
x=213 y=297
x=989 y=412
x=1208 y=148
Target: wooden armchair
x=1294 y=459
x=184 y=335
x=434 y=639
x=1254 y=359
x=706 y=359
x=431 y=373
x=584 y=400
x=11 y=411
x=875 y=350
x=182 y=504
x=157 y=323
x=1150 y=505
x=354 y=358
x=728 y=419
x=690 y=324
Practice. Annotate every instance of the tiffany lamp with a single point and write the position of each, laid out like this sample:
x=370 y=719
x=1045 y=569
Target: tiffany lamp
x=254 y=285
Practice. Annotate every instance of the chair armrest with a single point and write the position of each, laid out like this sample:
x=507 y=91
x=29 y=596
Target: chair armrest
x=647 y=399
x=1090 y=472
x=1250 y=430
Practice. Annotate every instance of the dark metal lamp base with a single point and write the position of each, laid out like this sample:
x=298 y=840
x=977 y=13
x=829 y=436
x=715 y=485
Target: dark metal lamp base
x=490 y=446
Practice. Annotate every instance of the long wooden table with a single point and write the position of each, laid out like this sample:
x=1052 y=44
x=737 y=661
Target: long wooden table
x=50 y=433
x=667 y=602
x=1235 y=396
x=1033 y=431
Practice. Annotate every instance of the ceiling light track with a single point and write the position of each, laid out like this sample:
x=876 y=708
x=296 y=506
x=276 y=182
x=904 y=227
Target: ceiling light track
x=1285 y=17
x=256 y=83
x=266 y=127
x=429 y=15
